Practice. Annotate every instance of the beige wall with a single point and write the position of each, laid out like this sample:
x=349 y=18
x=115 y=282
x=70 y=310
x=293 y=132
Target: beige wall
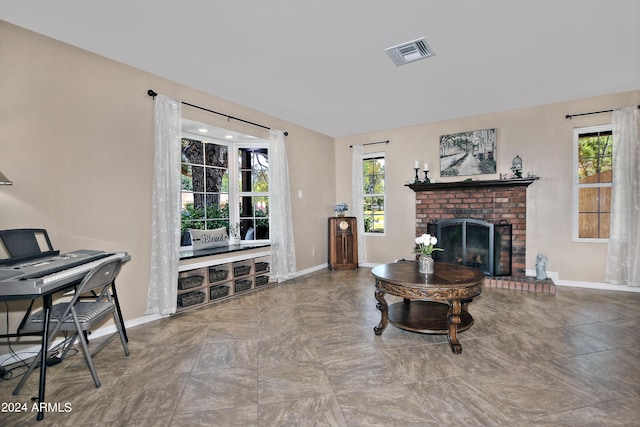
x=541 y=136
x=77 y=141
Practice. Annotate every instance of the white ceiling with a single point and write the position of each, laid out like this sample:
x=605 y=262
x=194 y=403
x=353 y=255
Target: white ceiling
x=322 y=65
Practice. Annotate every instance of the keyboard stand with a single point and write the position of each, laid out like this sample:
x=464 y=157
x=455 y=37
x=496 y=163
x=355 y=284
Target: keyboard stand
x=114 y=295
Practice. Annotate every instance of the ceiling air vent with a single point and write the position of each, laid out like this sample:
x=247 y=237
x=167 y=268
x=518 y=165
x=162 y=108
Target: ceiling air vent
x=409 y=51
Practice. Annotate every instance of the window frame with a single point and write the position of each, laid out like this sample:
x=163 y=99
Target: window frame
x=370 y=156
x=234 y=192
x=575 y=218
x=204 y=140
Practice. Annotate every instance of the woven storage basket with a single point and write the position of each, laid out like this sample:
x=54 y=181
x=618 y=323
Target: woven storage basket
x=190 y=298
x=241 y=270
x=243 y=285
x=216 y=275
x=262 y=280
x=219 y=291
x=262 y=266
x=189 y=282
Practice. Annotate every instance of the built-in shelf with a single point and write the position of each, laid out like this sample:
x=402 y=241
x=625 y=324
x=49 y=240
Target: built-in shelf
x=217 y=274
x=463 y=185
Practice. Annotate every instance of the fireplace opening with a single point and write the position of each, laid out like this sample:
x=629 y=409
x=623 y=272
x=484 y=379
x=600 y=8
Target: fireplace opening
x=474 y=243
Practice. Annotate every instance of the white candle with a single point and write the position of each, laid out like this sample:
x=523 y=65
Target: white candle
x=417 y=164
x=426 y=166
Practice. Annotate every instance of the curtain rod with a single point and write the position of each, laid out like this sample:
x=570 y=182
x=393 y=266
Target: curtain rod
x=372 y=143
x=570 y=116
x=153 y=94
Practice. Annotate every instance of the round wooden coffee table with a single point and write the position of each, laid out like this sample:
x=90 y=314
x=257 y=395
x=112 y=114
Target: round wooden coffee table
x=433 y=303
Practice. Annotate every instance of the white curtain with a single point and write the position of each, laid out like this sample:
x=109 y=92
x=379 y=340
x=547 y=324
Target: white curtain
x=283 y=250
x=165 y=219
x=357 y=190
x=623 y=262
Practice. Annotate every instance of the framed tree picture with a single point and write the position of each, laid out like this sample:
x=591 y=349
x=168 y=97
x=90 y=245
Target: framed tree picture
x=468 y=153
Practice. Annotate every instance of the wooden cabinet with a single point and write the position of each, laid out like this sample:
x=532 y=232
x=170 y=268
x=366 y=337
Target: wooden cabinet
x=343 y=243
x=208 y=281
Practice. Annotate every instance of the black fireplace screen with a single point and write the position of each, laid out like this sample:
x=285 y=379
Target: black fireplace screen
x=474 y=243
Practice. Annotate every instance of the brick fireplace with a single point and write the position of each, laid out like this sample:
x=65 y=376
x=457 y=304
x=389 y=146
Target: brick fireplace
x=489 y=201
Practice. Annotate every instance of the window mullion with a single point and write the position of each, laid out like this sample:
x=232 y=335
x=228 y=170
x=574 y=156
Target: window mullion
x=234 y=215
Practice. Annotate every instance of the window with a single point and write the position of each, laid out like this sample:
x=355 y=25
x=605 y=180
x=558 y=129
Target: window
x=205 y=186
x=215 y=172
x=373 y=206
x=253 y=184
x=592 y=149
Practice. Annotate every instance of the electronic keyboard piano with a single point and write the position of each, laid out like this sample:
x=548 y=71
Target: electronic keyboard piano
x=47 y=274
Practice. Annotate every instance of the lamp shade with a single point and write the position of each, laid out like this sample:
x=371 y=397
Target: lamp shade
x=4 y=180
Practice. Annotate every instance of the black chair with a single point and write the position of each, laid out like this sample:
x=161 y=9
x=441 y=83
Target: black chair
x=82 y=314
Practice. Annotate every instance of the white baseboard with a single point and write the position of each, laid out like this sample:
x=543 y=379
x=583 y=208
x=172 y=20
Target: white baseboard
x=595 y=285
x=368 y=264
x=326 y=266
x=311 y=270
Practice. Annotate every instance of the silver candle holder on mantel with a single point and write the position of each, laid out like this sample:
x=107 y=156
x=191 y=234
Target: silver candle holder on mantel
x=425 y=169
x=426 y=174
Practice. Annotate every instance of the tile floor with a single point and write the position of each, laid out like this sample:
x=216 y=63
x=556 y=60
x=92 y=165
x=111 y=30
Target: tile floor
x=303 y=353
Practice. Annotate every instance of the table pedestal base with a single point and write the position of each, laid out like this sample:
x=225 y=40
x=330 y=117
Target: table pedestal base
x=427 y=317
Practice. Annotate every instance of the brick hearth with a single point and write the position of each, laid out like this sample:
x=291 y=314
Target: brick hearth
x=521 y=283
x=489 y=201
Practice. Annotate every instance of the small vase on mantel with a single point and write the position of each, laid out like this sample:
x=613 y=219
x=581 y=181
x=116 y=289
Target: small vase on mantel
x=426 y=265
